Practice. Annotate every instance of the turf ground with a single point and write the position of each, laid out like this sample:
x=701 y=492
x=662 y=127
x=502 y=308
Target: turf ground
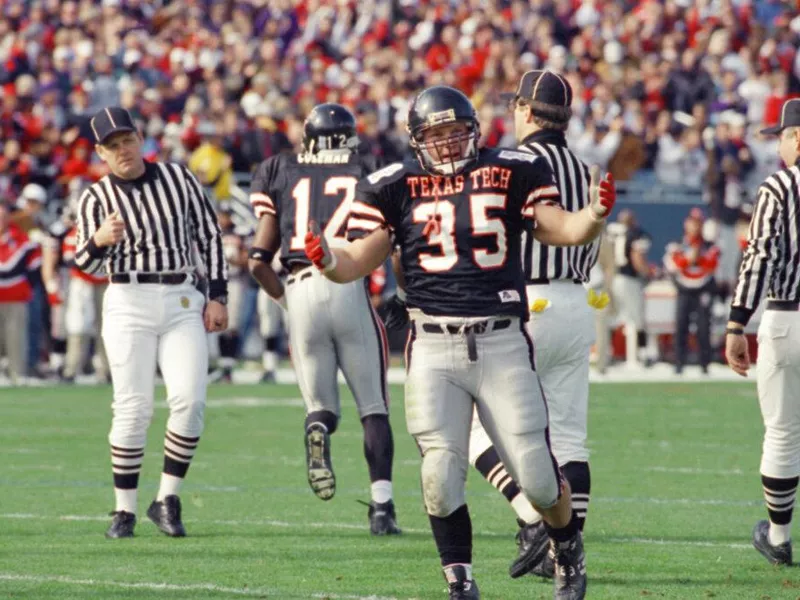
x=675 y=495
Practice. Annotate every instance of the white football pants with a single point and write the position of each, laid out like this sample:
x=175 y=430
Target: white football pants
x=142 y=324
x=778 y=379
x=563 y=334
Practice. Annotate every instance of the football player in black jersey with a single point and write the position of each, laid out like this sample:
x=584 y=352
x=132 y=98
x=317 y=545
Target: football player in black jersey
x=330 y=326
x=457 y=214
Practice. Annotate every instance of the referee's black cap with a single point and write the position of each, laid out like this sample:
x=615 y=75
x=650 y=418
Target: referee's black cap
x=543 y=86
x=109 y=121
x=790 y=117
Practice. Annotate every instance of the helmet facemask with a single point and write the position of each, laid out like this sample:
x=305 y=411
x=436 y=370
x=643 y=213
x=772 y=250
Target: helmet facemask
x=447 y=155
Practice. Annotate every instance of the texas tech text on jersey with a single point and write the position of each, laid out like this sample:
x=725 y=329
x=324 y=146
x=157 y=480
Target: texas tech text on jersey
x=472 y=266
x=298 y=188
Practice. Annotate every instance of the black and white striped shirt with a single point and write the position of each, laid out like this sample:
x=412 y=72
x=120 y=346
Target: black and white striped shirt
x=771 y=261
x=544 y=263
x=166 y=215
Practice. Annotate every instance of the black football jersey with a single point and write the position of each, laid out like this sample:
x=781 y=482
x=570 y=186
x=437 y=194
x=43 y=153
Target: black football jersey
x=298 y=188
x=472 y=267
x=624 y=241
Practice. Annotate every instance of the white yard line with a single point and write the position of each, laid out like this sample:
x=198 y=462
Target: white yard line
x=363 y=526
x=693 y=471
x=175 y=587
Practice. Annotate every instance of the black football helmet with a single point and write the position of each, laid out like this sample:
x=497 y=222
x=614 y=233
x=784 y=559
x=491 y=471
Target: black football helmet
x=442 y=105
x=329 y=127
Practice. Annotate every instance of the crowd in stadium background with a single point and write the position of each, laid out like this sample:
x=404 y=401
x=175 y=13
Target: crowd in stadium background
x=670 y=93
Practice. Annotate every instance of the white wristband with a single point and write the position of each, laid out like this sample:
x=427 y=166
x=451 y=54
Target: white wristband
x=401 y=294
x=331 y=265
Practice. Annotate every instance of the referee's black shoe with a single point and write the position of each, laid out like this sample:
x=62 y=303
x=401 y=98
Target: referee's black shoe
x=167 y=516
x=121 y=525
x=570 y=569
x=532 y=544
x=318 y=461
x=777 y=555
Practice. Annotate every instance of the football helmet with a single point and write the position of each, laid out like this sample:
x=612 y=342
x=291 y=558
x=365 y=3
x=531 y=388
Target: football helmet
x=443 y=105
x=329 y=127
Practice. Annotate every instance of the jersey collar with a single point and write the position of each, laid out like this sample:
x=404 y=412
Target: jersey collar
x=129 y=184
x=546 y=136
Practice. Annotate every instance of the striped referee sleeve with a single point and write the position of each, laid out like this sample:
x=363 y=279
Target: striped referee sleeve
x=759 y=260
x=208 y=236
x=89 y=257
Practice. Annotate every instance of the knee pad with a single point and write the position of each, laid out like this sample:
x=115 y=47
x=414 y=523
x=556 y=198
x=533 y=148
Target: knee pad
x=538 y=477
x=444 y=475
x=130 y=421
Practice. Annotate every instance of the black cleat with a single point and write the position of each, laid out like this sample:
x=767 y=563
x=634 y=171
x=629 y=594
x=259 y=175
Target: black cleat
x=167 y=516
x=459 y=587
x=546 y=568
x=382 y=518
x=121 y=525
x=268 y=377
x=569 y=569
x=318 y=459
x=532 y=543
x=777 y=555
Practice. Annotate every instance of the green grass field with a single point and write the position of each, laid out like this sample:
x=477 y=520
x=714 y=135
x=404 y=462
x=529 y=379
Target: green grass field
x=675 y=495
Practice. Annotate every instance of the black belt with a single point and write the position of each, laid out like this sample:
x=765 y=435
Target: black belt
x=475 y=328
x=548 y=281
x=162 y=278
x=784 y=305
x=291 y=279
x=297 y=266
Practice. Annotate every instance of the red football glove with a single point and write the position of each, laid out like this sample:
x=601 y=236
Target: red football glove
x=54 y=299
x=317 y=249
x=602 y=193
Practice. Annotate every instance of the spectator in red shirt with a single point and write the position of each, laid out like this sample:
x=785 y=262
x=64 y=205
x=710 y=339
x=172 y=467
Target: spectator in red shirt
x=19 y=257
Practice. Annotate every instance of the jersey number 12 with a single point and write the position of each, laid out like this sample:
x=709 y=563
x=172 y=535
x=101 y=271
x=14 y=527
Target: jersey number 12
x=334 y=186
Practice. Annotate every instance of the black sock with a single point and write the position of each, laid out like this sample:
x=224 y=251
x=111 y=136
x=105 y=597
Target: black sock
x=580 y=481
x=227 y=345
x=491 y=467
x=126 y=463
x=326 y=417
x=779 y=495
x=178 y=453
x=58 y=346
x=564 y=533
x=453 y=535
x=641 y=339
x=271 y=344
x=378 y=446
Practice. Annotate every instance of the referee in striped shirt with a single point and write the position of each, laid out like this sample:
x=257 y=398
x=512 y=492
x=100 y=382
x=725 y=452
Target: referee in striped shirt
x=771 y=265
x=562 y=323
x=144 y=222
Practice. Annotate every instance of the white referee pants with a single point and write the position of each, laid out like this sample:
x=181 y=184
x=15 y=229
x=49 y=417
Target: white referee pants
x=142 y=324
x=778 y=378
x=563 y=334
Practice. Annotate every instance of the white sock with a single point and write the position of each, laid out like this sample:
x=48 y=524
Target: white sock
x=381 y=491
x=778 y=534
x=525 y=510
x=170 y=486
x=126 y=500
x=270 y=360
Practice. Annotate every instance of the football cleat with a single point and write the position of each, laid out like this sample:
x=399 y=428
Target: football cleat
x=318 y=459
x=167 y=516
x=546 y=568
x=121 y=525
x=777 y=555
x=569 y=569
x=532 y=544
x=459 y=586
x=382 y=518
